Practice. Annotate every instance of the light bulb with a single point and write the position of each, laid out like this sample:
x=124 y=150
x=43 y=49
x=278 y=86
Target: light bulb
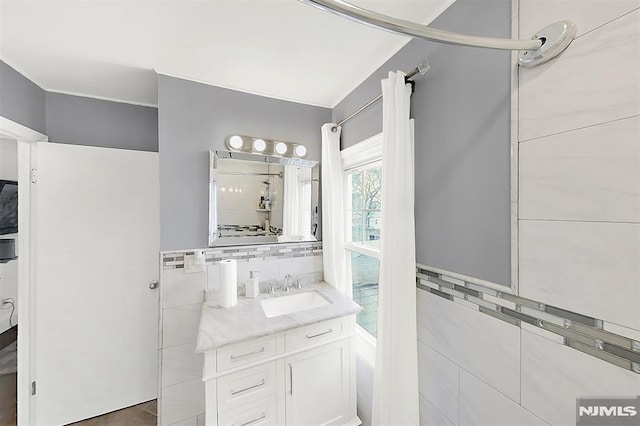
x=301 y=151
x=281 y=148
x=259 y=145
x=236 y=142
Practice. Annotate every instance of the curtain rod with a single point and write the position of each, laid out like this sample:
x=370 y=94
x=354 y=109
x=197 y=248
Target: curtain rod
x=421 y=69
x=546 y=44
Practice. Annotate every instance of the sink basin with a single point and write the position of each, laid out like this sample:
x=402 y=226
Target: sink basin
x=284 y=305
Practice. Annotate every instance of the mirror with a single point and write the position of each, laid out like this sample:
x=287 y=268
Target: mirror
x=261 y=199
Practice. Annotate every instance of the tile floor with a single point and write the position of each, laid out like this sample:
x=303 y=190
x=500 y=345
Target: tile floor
x=144 y=414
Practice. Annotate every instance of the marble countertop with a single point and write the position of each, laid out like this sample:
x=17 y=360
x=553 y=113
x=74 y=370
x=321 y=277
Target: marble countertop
x=223 y=326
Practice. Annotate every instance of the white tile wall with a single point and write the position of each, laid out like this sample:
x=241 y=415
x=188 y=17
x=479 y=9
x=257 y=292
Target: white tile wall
x=364 y=386
x=586 y=267
x=484 y=346
x=271 y=270
x=179 y=289
x=590 y=174
x=438 y=381
x=180 y=364
x=586 y=14
x=553 y=376
x=480 y=405
x=182 y=401
x=193 y=421
x=596 y=80
x=430 y=416
x=180 y=325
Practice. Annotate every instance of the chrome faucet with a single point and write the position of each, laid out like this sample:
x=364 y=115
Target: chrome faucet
x=270 y=289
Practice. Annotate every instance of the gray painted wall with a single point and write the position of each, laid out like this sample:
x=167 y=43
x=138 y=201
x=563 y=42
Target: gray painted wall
x=461 y=108
x=195 y=118
x=21 y=100
x=86 y=121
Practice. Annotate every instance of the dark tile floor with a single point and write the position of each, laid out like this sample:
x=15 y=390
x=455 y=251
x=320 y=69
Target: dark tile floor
x=144 y=414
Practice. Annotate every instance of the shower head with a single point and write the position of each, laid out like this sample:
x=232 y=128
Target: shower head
x=266 y=182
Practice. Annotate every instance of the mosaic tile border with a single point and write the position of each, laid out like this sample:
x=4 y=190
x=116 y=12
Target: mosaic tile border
x=175 y=260
x=583 y=333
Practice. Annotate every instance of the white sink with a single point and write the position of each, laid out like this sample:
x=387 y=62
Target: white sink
x=284 y=305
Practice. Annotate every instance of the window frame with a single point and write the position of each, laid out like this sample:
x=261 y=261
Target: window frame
x=361 y=156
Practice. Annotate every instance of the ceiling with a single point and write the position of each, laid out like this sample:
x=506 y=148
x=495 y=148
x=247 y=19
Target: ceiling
x=278 y=48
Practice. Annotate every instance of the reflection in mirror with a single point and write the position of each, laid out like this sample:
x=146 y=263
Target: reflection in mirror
x=257 y=199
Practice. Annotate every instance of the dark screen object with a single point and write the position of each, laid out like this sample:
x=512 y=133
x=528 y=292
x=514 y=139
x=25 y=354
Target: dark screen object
x=8 y=207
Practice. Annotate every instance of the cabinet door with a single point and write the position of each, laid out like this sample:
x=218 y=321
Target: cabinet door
x=318 y=386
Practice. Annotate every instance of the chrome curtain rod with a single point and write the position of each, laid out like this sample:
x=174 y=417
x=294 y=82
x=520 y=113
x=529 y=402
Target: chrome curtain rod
x=421 y=69
x=546 y=44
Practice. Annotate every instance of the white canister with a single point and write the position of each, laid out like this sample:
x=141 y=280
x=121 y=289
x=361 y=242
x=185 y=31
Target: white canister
x=253 y=285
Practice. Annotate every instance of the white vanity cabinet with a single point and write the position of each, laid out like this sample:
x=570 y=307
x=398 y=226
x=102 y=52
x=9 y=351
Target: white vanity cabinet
x=303 y=376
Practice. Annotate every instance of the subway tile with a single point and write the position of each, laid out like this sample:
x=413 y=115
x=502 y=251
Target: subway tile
x=480 y=404
x=479 y=343
x=438 y=381
x=586 y=14
x=584 y=267
x=543 y=333
x=180 y=325
x=192 y=421
x=591 y=174
x=179 y=289
x=364 y=390
x=596 y=80
x=301 y=265
x=430 y=416
x=182 y=402
x=553 y=376
x=268 y=269
x=202 y=420
x=180 y=364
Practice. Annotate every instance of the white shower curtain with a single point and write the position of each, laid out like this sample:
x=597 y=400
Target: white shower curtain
x=290 y=213
x=395 y=392
x=332 y=210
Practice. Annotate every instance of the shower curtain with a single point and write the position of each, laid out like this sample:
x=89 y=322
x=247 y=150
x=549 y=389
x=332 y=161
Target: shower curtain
x=395 y=384
x=290 y=214
x=333 y=256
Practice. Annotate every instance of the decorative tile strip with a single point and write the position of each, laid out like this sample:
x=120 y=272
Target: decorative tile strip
x=175 y=260
x=580 y=332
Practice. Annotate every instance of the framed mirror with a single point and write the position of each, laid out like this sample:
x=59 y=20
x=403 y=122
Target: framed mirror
x=262 y=199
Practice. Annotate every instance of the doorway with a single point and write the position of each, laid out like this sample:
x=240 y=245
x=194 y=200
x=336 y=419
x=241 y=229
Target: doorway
x=8 y=281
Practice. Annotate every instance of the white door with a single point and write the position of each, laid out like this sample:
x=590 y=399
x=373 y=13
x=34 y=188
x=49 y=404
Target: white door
x=97 y=238
x=318 y=386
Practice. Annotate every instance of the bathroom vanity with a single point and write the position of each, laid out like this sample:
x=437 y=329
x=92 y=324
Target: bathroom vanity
x=281 y=359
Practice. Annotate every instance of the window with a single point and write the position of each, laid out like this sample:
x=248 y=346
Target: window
x=364 y=189
x=363 y=203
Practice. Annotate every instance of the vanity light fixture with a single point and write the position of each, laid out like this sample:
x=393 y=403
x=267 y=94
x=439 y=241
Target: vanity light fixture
x=253 y=145
x=281 y=148
x=259 y=145
x=236 y=142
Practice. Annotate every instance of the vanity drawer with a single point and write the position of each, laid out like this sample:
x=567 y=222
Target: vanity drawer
x=247 y=352
x=246 y=386
x=316 y=333
x=260 y=413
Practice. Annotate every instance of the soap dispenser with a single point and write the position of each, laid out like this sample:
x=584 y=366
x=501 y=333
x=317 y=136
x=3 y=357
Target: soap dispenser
x=253 y=285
